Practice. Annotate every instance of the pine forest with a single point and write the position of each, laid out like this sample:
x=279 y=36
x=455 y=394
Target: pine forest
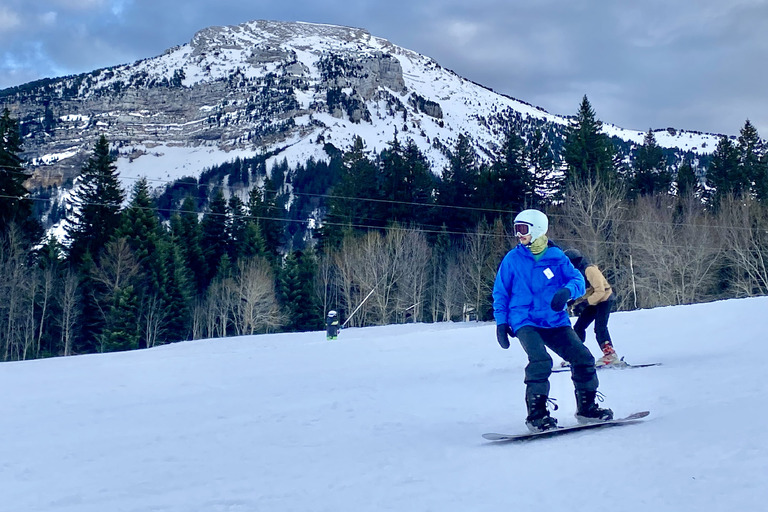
x=379 y=237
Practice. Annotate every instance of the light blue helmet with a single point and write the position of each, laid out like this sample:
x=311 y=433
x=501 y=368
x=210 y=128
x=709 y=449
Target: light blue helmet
x=537 y=222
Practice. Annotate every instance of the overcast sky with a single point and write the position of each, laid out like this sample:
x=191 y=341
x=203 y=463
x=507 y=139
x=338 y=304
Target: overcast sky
x=690 y=64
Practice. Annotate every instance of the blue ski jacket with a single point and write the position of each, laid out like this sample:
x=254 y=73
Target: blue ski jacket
x=524 y=288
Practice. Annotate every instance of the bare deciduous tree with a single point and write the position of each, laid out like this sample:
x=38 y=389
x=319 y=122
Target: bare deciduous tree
x=220 y=302
x=48 y=277
x=153 y=315
x=117 y=266
x=744 y=224
x=445 y=290
x=452 y=292
x=348 y=260
x=200 y=322
x=382 y=277
x=379 y=273
x=15 y=288
x=593 y=219
x=413 y=265
x=675 y=250
x=257 y=310
x=593 y=214
x=68 y=303
x=478 y=263
x=244 y=303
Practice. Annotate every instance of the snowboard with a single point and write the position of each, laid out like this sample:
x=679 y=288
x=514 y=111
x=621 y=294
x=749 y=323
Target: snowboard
x=622 y=366
x=632 y=418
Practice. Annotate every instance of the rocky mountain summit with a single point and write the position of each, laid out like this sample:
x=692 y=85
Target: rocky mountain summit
x=286 y=89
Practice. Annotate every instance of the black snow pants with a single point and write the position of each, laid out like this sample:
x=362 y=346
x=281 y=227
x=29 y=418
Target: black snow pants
x=564 y=342
x=599 y=314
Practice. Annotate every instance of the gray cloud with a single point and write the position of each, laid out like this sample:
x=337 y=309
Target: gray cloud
x=691 y=64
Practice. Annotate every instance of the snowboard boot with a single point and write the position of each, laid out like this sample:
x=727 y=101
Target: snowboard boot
x=609 y=355
x=587 y=410
x=538 y=419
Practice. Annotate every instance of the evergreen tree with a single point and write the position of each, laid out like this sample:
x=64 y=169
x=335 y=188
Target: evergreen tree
x=49 y=120
x=252 y=243
x=515 y=184
x=723 y=176
x=351 y=198
x=753 y=166
x=97 y=202
x=246 y=231
x=121 y=332
x=650 y=175
x=420 y=182
x=264 y=209
x=179 y=294
x=15 y=206
x=90 y=321
x=406 y=179
x=490 y=195
x=392 y=173
x=687 y=182
x=761 y=180
x=458 y=185
x=225 y=269
x=187 y=236
x=215 y=236
x=588 y=152
x=236 y=226
x=538 y=156
x=141 y=225
x=147 y=239
x=296 y=292
x=312 y=317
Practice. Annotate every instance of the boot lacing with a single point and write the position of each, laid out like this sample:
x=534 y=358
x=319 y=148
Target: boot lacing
x=553 y=403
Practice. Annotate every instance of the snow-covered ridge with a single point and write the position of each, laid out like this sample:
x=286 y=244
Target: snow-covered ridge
x=284 y=87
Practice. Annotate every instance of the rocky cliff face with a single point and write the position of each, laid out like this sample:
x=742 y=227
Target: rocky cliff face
x=263 y=86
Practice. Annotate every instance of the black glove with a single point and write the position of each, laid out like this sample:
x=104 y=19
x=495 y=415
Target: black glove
x=579 y=308
x=502 y=330
x=559 y=299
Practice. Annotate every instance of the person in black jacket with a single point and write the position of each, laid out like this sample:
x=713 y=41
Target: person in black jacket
x=332 y=325
x=594 y=306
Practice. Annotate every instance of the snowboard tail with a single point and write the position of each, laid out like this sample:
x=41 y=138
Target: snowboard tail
x=632 y=418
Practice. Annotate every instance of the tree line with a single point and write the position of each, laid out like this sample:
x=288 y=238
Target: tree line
x=379 y=237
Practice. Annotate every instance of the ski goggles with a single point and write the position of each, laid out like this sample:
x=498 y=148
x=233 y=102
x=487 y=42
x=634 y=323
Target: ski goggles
x=522 y=229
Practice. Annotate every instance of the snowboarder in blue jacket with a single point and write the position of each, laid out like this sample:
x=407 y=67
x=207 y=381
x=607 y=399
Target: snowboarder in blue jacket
x=533 y=284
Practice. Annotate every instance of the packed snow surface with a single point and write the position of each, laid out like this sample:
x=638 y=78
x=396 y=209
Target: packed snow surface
x=390 y=418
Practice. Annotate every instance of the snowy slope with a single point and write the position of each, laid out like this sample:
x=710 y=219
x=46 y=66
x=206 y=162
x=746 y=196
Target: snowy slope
x=389 y=418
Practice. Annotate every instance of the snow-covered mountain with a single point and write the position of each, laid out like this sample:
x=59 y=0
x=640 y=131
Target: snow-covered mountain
x=389 y=419
x=285 y=89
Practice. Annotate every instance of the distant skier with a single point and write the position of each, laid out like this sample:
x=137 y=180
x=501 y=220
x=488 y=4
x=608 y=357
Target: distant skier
x=533 y=284
x=594 y=306
x=332 y=325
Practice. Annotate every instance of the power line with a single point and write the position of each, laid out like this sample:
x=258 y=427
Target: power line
x=428 y=230
x=222 y=187
x=171 y=211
